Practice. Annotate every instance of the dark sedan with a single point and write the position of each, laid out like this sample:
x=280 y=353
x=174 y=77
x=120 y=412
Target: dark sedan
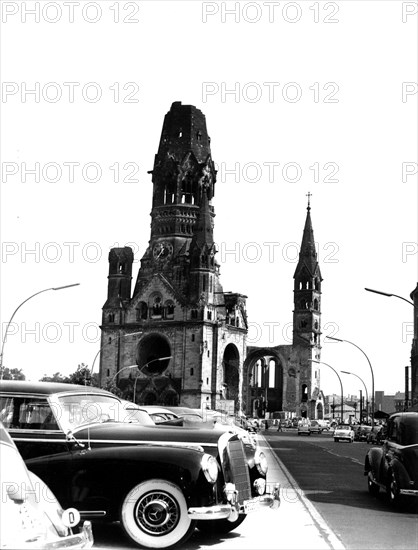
x=157 y=481
x=394 y=466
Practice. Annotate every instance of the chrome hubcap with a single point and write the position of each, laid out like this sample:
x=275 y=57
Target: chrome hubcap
x=157 y=513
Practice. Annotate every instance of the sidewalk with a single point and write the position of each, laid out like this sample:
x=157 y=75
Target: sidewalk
x=299 y=526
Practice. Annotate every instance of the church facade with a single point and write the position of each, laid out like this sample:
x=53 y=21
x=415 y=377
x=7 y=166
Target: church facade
x=178 y=338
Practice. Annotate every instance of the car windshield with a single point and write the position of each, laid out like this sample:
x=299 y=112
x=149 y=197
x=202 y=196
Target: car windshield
x=73 y=411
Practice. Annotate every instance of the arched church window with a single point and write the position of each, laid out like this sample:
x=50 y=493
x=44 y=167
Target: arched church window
x=180 y=132
x=315 y=304
x=303 y=323
x=121 y=267
x=156 y=306
x=142 y=311
x=111 y=318
x=199 y=135
x=169 y=309
x=304 y=392
x=316 y=325
x=194 y=313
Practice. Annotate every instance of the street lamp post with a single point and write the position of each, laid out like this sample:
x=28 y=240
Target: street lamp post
x=370 y=365
x=117 y=338
x=14 y=313
x=389 y=295
x=408 y=302
x=357 y=376
x=341 y=384
x=152 y=375
x=123 y=368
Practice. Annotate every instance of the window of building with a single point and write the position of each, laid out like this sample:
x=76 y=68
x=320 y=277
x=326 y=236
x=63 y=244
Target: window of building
x=156 y=307
x=169 y=309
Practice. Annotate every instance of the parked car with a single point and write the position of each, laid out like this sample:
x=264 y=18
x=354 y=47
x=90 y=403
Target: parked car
x=222 y=423
x=163 y=416
x=343 y=432
x=324 y=425
x=363 y=432
x=394 y=466
x=315 y=427
x=30 y=515
x=375 y=436
x=159 y=482
x=304 y=428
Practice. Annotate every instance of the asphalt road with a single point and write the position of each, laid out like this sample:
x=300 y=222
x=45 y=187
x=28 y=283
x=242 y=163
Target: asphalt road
x=330 y=475
x=325 y=505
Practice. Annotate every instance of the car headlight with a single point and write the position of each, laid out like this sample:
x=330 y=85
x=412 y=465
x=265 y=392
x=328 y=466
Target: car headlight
x=210 y=468
x=260 y=460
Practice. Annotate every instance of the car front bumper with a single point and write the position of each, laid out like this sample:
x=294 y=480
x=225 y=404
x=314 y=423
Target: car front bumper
x=81 y=540
x=231 y=511
x=409 y=492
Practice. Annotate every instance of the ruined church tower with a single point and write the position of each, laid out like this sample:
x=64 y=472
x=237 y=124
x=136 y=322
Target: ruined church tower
x=179 y=339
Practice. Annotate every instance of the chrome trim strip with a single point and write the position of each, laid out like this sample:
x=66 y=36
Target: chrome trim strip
x=39 y=439
x=143 y=443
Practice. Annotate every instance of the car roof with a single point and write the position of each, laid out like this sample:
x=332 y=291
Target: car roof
x=47 y=388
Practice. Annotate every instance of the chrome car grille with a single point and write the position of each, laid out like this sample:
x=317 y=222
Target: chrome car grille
x=239 y=469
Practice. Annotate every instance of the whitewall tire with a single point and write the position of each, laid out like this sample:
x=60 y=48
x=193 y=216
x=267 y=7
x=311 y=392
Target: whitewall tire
x=154 y=514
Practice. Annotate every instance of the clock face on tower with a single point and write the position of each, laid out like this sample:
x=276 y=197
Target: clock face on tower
x=162 y=250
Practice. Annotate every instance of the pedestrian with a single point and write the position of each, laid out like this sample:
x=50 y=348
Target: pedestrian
x=266 y=423
x=279 y=426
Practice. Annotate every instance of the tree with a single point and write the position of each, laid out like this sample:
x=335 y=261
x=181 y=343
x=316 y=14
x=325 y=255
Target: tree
x=83 y=376
x=57 y=377
x=12 y=374
x=111 y=386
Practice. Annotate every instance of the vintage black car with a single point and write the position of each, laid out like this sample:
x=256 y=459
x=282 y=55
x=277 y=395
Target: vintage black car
x=160 y=482
x=394 y=466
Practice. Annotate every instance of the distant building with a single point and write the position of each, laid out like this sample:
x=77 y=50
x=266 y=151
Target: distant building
x=390 y=403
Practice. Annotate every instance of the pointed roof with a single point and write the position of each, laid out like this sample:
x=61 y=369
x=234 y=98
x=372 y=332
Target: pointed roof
x=307 y=255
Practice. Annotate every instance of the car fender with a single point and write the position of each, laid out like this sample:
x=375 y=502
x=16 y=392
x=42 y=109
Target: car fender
x=400 y=472
x=373 y=461
x=98 y=479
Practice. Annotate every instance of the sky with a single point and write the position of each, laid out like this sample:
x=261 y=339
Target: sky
x=299 y=97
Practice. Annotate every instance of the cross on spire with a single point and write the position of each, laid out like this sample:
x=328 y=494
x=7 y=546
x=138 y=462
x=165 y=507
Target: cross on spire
x=309 y=195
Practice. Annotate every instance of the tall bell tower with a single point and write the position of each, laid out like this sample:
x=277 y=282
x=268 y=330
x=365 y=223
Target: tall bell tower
x=186 y=336
x=307 y=308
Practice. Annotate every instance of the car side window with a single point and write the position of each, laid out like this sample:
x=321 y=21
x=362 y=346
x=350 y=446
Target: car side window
x=26 y=413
